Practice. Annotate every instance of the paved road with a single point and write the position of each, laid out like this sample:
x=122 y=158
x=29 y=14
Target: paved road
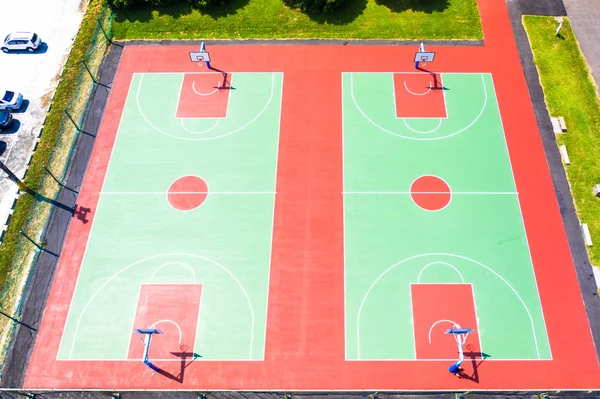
x=585 y=20
x=35 y=75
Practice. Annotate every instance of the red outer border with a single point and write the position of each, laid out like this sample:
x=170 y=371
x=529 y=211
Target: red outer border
x=305 y=331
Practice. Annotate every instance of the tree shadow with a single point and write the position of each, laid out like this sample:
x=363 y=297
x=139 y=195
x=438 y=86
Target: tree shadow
x=142 y=13
x=175 y=11
x=429 y=6
x=230 y=7
x=345 y=14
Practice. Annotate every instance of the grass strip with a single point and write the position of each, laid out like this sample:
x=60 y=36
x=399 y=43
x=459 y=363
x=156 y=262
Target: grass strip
x=570 y=91
x=272 y=19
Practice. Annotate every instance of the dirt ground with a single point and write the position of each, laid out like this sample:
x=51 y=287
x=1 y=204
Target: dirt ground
x=35 y=75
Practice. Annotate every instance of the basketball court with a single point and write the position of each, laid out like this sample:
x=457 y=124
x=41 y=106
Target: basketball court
x=290 y=220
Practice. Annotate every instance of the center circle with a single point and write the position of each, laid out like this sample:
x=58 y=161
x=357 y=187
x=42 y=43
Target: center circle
x=187 y=193
x=431 y=193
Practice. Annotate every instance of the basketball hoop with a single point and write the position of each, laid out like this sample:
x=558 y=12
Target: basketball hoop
x=423 y=57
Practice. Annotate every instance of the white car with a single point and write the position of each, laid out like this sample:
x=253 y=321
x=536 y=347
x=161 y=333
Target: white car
x=10 y=100
x=21 y=41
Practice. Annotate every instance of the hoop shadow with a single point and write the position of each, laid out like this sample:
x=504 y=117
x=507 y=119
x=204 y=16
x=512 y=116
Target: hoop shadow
x=436 y=83
x=226 y=83
x=476 y=359
x=183 y=364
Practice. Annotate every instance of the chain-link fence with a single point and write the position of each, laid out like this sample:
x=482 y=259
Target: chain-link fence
x=33 y=234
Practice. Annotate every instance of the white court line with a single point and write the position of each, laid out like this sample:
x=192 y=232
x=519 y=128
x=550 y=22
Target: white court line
x=91 y=299
x=423 y=132
x=431 y=192
x=344 y=210
x=169 y=321
x=449 y=255
x=415 y=131
x=273 y=219
x=438 y=322
x=205 y=94
x=416 y=94
x=439 y=263
x=172 y=263
x=200 y=359
x=217 y=120
x=202 y=138
x=522 y=220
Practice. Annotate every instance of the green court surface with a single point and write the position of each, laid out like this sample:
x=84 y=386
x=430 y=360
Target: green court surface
x=391 y=243
x=138 y=237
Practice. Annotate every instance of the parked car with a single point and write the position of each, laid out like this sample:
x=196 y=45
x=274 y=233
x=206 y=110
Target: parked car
x=10 y=100
x=5 y=119
x=21 y=41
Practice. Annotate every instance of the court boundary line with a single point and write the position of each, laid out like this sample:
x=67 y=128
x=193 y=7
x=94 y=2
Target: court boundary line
x=161 y=131
x=346 y=344
x=274 y=198
x=186 y=192
x=429 y=192
x=512 y=172
x=89 y=237
x=449 y=255
x=92 y=297
x=415 y=138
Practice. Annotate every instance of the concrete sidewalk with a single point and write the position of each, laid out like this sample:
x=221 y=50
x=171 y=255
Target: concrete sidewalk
x=585 y=20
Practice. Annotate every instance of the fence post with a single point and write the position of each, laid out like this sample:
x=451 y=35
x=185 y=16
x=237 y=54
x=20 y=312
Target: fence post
x=73 y=121
x=41 y=248
x=90 y=72
x=108 y=39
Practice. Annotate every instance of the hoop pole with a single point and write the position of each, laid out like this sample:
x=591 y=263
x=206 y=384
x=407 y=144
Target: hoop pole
x=203 y=49
x=146 y=348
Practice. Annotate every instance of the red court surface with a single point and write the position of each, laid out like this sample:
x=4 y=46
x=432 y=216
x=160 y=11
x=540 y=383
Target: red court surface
x=171 y=308
x=437 y=307
x=419 y=95
x=305 y=324
x=203 y=95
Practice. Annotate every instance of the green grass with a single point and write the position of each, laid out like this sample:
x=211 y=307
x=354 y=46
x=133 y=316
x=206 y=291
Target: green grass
x=570 y=91
x=272 y=19
x=46 y=144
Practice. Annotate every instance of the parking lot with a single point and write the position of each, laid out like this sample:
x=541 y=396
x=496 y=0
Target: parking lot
x=35 y=75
